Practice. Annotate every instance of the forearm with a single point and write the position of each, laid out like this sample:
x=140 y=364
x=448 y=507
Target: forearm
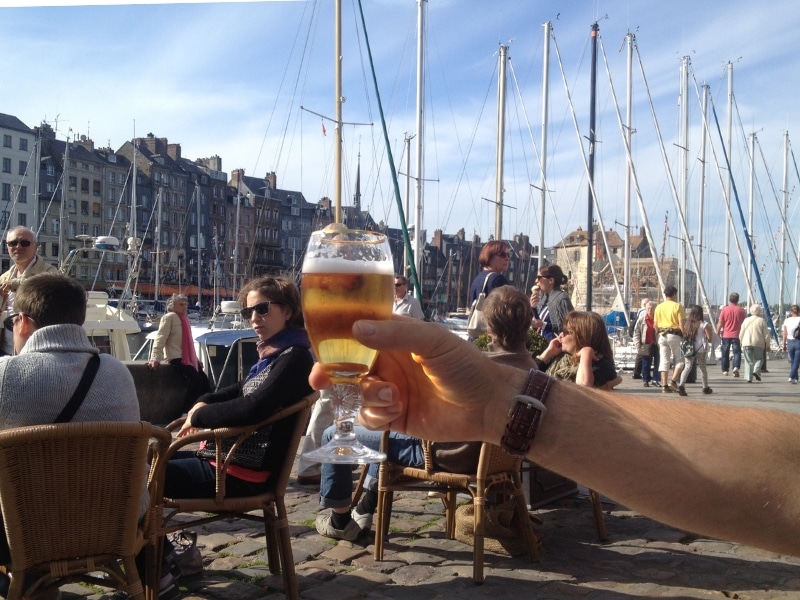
x=705 y=468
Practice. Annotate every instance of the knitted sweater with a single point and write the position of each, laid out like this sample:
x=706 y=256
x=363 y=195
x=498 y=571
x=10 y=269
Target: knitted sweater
x=38 y=382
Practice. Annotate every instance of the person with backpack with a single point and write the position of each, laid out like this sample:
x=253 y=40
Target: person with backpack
x=791 y=341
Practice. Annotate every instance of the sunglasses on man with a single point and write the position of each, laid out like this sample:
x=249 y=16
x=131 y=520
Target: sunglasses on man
x=15 y=243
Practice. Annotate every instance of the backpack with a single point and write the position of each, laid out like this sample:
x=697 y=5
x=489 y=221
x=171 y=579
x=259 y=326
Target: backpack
x=796 y=332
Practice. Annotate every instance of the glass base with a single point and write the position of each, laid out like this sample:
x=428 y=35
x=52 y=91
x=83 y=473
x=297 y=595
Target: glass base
x=351 y=452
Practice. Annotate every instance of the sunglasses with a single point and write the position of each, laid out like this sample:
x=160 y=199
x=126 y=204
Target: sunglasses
x=8 y=322
x=262 y=308
x=399 y=284
x=15 y=243
x=502 y=254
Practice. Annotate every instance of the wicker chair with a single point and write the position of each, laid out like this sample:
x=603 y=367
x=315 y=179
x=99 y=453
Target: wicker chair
x=71 y=497
x=496 y=472
x=270 y=502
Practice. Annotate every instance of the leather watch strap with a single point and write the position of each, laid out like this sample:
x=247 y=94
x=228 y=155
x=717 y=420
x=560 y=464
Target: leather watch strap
x=526 y=414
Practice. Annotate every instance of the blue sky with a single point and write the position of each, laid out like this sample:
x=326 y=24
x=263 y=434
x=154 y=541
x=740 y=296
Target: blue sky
x=230 y=78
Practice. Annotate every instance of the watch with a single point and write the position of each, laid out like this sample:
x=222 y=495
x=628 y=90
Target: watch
x=526 y=414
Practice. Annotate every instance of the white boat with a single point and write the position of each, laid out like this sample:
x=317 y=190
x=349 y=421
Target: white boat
x=108 y=327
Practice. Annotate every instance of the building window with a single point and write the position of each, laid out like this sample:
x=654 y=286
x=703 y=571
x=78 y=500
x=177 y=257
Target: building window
x=56 y=228
x=6 y=141
x=50 y=169
x=6 y=165
x=23 y=194
x=23 y=144
x=23 y=167
x=84 y=229
x=22 y=219
x=6 y=196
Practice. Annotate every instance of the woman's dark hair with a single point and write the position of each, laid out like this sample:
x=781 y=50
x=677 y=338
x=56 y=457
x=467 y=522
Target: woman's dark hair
x=694 y=316
x=279 y=290
x=555 y=273
x=489 y=251
x=589 y=329
x=508 y=314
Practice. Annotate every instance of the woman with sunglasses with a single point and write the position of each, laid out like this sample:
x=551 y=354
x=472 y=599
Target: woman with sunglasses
x=494 y=260
x=175 y=344
x=278 y=379
x=581 y=353
x=554 y=303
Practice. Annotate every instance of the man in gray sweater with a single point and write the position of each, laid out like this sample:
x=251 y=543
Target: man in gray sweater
x=52 y=352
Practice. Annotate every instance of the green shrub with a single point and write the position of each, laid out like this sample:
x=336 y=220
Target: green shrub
x=536 y=343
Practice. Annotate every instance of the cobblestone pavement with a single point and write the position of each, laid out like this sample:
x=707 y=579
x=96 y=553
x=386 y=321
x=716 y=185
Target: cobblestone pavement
x=641 y=559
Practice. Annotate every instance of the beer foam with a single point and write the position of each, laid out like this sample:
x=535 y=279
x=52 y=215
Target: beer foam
x=339 y=265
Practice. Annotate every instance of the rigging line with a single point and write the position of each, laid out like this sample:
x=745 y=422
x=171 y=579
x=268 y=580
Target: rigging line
x=720 y=169
x=592 y=190
x=784 y=223
x=280 y=88
x=756 y=272
x=406 y=240
x=671 y=181
x=462 y=173
x=554 y=212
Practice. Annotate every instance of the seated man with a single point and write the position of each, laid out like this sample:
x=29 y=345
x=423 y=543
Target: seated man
x=52 y=353
x=508 y=315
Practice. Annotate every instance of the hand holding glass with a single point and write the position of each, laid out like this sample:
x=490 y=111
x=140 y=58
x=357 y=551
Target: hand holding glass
x=347 y=275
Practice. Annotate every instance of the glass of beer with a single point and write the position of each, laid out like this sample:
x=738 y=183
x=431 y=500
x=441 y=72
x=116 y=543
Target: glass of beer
x=347 y=275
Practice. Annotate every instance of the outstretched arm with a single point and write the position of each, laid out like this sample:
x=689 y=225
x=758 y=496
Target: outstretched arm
x=721 y=471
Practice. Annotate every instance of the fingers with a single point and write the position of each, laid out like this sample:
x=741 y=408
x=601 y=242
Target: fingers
x=381 y=406
x=405 y=333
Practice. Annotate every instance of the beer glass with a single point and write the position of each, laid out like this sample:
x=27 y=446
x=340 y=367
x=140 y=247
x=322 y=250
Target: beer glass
x=347 y=275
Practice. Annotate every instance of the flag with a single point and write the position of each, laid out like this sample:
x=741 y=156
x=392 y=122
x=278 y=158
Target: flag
x=324 y=131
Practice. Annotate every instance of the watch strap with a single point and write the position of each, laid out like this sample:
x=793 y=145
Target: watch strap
x=526 y=415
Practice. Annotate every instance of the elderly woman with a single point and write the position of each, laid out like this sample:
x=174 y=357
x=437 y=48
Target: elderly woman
x=581 y=353
x=174 y=343
x=555 y=302
x=754 y=335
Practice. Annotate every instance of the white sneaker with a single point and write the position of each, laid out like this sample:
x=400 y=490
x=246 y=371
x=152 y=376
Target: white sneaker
x=725 y=373
x=324 y=527
x=363 y=521
x=735 y=372
x=793 y=381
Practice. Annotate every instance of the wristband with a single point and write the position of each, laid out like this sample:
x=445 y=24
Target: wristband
x=526 y=414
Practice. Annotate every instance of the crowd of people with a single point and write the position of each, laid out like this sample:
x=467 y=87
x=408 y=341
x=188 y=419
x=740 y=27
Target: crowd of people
x=672 y=461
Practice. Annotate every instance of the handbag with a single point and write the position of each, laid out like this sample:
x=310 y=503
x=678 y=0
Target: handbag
x=687 y=348
x=645 y=351
x=476 y=326
x=250 y=453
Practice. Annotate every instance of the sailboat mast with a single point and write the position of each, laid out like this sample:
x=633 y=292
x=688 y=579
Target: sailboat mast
x=501 y=128
x=751 y=193
x=684 y=169
x=626 y=267
x=337 y=133
x=199 y=269
x=702 y=194
x=420 y=125
x=590 y=210
x=781 y=289
x=62 y=213
x=729 y=223
x=158 y=246
x=548 y=27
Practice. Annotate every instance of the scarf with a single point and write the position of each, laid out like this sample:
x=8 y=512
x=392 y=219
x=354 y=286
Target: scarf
x=188 y=355
x=562 y=368
x=270 y=349
x=649 y=330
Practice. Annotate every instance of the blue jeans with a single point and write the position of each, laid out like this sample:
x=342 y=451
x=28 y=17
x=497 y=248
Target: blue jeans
x=728 y=345
x=793 y=346
x=336 y=485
